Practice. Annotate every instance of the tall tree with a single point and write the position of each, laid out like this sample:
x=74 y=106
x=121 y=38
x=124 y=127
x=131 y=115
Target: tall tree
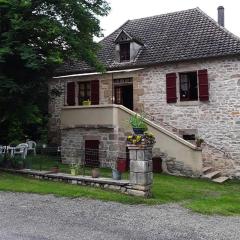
x=36 y=36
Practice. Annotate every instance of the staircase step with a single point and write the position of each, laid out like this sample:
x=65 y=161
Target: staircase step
x=206 y=169
x=211 y=175
x=220 y=179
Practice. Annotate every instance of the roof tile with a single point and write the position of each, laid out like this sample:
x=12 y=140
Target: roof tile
x=184 y=35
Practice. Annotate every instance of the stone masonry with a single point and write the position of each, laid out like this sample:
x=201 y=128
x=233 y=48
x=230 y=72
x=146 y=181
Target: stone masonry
x=56 y=103
x=216 y=121
x=141 y=175
x=112 y=143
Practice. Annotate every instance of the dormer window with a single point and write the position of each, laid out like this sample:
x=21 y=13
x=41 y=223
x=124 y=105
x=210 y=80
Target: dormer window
x=127 y=47
x=124 y=52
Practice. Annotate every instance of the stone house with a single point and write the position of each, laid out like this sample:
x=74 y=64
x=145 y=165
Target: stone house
x=181 y=68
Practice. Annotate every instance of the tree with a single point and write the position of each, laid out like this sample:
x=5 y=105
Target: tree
x=36 y=36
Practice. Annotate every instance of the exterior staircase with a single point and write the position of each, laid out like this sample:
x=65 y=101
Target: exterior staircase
x=215 y=176
x=208 y=172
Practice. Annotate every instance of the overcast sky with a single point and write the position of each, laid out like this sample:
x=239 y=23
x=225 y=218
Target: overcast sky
x=123 y=10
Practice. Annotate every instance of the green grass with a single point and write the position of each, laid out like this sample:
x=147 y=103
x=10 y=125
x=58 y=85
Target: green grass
x=17 y=183
x=198 y=195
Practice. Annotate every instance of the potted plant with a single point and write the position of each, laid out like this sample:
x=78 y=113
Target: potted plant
x=86 y=103
x=199 y=142
x=55 y=169
x=138 y=124
x=74 y=169
x=145 y=138
x=95 y=173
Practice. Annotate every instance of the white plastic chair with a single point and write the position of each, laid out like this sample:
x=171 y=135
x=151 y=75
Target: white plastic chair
x=2 y=150
x=21 y=149
x=31 y=146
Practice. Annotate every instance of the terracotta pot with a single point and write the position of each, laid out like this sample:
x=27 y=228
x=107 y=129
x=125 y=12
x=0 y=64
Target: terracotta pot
x=95 y=173
x=55 y=169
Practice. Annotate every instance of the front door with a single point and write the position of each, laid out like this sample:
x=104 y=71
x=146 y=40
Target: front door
x=124 y=95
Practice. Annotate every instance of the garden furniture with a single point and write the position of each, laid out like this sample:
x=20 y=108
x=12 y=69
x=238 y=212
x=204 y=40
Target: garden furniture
x=21 y=149
x=31 y=146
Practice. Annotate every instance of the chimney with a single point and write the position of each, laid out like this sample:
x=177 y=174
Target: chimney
x=221 y=15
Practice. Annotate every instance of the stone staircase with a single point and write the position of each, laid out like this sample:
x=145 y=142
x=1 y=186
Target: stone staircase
x=216 y=176
x=208 y=172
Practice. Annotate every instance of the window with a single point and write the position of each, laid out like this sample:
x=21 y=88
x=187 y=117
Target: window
x=193 y=86
x=188 y=86
x=84 y=91
x=124 y=52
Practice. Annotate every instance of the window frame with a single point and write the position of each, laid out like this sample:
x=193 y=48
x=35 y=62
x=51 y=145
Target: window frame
x=180 y=98
x=85 y=89
x=124 y=54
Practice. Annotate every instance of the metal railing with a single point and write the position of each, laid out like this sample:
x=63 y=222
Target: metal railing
x=55 y=159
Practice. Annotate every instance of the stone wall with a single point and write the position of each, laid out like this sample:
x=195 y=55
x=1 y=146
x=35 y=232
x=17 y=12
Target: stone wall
x=112 y=143
x=106 y=97
x=216 y=121
x=57 y=102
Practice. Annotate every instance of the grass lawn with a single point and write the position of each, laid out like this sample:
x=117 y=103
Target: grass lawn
x=198 y=195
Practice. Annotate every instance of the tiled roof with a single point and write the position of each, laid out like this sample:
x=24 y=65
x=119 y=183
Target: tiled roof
x=178 y=36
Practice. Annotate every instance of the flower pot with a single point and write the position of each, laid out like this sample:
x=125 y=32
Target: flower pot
x=138 y=131
x=86 y=103
x=95 y=173
x=116 y=175
x=74 y=171
x=55 y=169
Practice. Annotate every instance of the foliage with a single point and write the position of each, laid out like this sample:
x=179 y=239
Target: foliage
x=199 y=141
x=86 y=103
x=137 y=121
x=36 y=36
x=198 y=195
x=75 y=168
x=146 y=138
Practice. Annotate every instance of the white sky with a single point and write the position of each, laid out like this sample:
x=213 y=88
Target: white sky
x=123 y=10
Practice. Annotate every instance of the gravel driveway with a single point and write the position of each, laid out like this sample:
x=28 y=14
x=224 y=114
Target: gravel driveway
x=36 y=217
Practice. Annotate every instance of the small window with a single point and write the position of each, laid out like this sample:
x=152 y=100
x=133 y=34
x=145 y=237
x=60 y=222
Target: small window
x=84 y=91
x=188 y=86
x=124 y=52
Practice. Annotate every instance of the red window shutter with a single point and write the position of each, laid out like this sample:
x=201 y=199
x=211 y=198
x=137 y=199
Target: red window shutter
x=95 y=92
x=171 y=87
x=70 y=93
x=203 y=85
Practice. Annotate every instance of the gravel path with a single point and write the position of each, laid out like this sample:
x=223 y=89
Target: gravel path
x=36 y=217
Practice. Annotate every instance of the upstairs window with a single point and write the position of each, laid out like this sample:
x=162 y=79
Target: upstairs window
x=124 y=52
x=84 y=91
x=193 y=86
x=188 y=86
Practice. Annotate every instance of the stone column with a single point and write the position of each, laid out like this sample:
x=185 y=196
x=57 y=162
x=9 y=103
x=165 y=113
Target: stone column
x=141 y=175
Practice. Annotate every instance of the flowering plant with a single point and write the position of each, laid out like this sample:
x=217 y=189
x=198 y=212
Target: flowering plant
x=146 y=138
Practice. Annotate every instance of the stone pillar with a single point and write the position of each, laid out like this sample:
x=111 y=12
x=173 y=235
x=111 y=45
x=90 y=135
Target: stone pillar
x=141 y=175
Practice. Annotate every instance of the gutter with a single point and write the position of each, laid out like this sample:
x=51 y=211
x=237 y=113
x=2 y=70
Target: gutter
x=99 y=73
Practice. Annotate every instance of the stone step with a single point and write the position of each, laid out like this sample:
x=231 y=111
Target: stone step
x=207 y=169
x=220 y=179
x=211 y=175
